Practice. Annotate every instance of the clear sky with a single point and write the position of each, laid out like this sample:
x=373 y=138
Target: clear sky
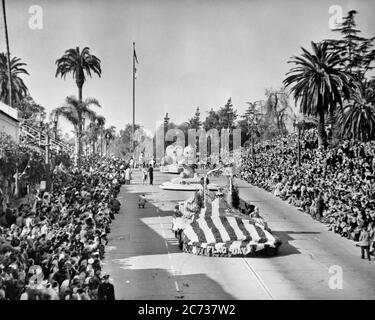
x=191 y=52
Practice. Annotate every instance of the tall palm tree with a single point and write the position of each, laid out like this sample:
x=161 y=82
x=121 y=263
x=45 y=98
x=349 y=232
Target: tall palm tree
x=19 y=89
x=109 y=135
x=357 y=120
x=94 y=130
x=79 y=63
x=75 y=112
x=101 y=124
x=319 y=83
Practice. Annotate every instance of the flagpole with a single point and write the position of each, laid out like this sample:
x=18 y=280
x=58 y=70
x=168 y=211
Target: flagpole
x=133 y=97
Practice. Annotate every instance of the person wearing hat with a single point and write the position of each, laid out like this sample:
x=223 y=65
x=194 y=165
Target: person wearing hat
x=106 y=290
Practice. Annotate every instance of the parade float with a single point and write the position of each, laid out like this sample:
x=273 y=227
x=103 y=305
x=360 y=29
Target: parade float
x=171 y=163
x=188 y=179
x=209 y=224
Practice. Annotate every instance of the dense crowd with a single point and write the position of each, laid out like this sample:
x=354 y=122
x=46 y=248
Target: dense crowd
x=52 y=249
x=335 y=186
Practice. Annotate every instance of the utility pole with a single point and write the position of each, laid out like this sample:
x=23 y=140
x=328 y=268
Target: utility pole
x=8 y=56
x=133 y=125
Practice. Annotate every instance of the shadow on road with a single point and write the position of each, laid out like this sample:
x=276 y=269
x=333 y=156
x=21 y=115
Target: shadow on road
x=151 y=284
x=286 y=248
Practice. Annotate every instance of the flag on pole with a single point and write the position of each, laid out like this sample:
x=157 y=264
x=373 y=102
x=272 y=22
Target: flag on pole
x=136 y=60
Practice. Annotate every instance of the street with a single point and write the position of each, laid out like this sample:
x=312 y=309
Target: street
x=145 y=262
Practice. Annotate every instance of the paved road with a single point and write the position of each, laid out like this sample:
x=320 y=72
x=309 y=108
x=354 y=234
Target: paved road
x=145 y=263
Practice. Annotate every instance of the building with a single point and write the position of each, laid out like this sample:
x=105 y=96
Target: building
x=9 y=123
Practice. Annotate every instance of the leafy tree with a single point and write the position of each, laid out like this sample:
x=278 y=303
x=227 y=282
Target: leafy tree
x=122 y=145
x=109 y=135
x=318 y=82
x=23 y=160
x=28 y=108
x=357 y=52
x=94 y=130
x=277 y=108
x=249 y=124
x=227 y=116
x=212 y=120
x=195 y=122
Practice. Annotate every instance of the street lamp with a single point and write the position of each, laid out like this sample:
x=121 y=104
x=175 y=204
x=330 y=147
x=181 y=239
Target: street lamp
x=55 y=120
x=39 y=120
x=46 y=128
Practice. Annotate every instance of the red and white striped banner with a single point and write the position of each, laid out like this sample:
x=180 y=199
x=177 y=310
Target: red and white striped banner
x=219 y=232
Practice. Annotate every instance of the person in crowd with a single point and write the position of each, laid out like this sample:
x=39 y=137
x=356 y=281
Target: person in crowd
x=142 y=201
x=319 y=202
x=335 y=186
x=128 y=173
x=364 y=243
x=53 y=249
x=151 y=174
x=115 y=205
x=131 y=163
x=106 y=290
x=144 y=174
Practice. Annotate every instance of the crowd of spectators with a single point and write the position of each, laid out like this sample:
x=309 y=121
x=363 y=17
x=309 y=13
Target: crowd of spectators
x=52 y=249
x=334 y=185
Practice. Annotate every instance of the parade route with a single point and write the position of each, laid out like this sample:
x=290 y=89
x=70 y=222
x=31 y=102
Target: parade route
x=144 y=260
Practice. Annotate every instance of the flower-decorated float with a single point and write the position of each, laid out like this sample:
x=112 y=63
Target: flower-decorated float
x=171 y=162
x=188 y=179
x=209 y=224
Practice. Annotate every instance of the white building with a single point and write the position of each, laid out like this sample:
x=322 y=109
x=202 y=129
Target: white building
x=9 y=121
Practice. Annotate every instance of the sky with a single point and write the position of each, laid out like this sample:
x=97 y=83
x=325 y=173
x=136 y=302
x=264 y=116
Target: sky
x=191 y=52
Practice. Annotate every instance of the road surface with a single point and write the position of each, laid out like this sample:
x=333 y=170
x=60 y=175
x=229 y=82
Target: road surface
x=144 y=261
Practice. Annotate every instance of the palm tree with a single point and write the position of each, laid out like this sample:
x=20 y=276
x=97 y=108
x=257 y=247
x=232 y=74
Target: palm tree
x=19 y=89
x=357 y=120
x=75 y=112
x=94 y=130
x=109 y=135
x=78 y=63
x=319 y=83
x=101 y=125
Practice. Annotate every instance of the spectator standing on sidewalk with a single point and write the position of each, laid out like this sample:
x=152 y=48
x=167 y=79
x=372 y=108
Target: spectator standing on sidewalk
x=127 y=175
x=364 y=243
x=106 y=290
x=151 y=174
x=144 y=174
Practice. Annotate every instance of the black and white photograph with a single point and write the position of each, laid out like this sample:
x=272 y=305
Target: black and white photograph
x=188 y=150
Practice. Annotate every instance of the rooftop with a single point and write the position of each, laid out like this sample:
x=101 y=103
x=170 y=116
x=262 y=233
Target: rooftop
x=10 y=112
